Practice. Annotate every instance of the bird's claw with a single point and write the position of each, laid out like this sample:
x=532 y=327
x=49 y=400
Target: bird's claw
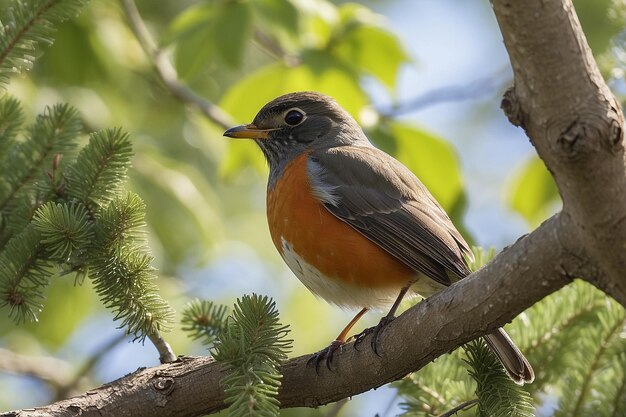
x=325 y=355
x=375 y=332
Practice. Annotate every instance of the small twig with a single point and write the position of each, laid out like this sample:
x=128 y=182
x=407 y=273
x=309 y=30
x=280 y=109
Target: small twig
x=473 y=90
x=54 y=371
x=272 y=48
x=269 y=45
x=460 y=407
x=167 y=73
x=166 y=354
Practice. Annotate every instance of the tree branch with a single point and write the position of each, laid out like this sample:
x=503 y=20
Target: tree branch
x=167 y=73
x=166 y=354
x=532 y=268
x=55 y=371
x=473 y=90
x=575 y=123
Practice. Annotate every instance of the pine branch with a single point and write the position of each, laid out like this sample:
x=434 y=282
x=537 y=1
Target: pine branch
x=497 y=394
x=96 y=177
x=550 y=330
x=23 y=168
x=65 y=230
x=166 y=354
x=29 y=24
x=619 y=397
x=121 y=269
x=253 y=345
x=11 y=119
x=204 y=320
x=593 y=351
x=24 y=274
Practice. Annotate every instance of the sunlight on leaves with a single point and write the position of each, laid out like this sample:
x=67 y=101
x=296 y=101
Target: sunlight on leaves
x=533 y=192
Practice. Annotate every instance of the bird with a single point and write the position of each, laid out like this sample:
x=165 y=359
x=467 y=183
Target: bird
x=354 y=224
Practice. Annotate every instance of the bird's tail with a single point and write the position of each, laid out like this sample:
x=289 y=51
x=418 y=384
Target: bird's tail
x=514 y=362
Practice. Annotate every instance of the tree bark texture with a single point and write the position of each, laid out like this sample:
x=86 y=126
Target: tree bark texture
x=576 y=125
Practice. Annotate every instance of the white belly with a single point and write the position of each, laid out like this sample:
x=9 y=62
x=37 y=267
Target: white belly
x=337 y=291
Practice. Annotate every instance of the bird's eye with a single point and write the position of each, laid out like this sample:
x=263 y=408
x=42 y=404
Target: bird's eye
x=294 y=117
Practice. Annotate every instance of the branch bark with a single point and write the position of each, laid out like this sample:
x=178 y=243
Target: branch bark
x=574 y=122
x=561 y=101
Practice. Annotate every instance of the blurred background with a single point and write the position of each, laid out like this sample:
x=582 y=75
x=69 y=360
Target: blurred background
x=424 y=78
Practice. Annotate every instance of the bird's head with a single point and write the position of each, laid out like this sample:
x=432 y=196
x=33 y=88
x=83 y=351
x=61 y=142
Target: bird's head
x=298 y=122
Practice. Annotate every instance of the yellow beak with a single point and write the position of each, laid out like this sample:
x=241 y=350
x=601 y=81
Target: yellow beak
x=247 y=132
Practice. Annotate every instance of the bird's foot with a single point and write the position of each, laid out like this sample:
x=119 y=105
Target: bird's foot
x=325 y=355
x=375 y=332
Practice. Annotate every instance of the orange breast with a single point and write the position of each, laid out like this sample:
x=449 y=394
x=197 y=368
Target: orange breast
x=334 y=248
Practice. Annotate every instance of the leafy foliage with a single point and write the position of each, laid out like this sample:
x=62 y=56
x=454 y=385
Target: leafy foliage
x=534 y=194
x=252 y=346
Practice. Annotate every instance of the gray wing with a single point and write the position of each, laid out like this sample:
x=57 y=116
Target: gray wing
x=384 y=201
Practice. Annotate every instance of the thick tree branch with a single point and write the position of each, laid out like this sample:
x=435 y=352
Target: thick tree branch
x=532 y=268
x=575 y=123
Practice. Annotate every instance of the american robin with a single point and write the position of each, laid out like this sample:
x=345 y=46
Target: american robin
x=356 y=226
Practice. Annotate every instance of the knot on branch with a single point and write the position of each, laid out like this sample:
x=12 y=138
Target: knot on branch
x=591 y=134
x=512 y=107
x=568 y=138
x=616 y=136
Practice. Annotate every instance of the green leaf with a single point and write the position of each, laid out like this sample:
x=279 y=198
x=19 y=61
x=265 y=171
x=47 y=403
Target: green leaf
x=432 y=159
x=210 y=31
x=189 y=21
x=597 y=23
x=280 y=18
x=534 y=194
x=192 y=31
x=374 y=51
x=233 y=29
x=320 y=72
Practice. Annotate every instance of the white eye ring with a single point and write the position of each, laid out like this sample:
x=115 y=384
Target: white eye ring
x=294 y=116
